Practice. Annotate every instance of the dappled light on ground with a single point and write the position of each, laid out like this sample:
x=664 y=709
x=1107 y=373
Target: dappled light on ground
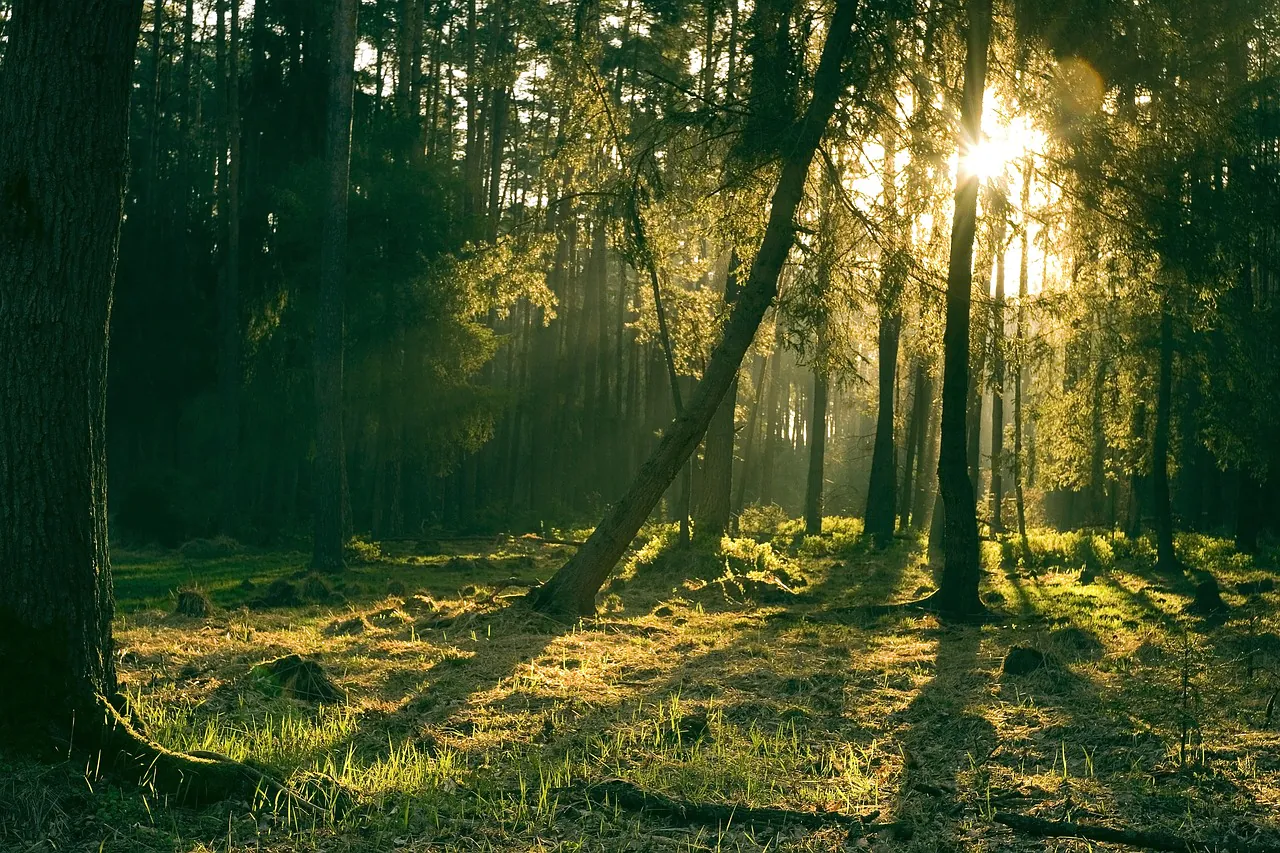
x=748 y=673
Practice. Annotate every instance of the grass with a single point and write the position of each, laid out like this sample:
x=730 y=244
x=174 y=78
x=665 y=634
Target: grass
x=470 y=722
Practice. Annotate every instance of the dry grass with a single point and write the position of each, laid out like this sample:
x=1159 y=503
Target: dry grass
x=469 y=720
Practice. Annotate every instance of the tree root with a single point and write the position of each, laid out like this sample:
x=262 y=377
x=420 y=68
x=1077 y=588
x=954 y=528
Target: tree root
x=188 y=779
x=615 y=792
x=1134 y=838
x=929 y=604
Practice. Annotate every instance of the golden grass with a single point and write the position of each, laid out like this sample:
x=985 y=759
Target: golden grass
x=470 y=721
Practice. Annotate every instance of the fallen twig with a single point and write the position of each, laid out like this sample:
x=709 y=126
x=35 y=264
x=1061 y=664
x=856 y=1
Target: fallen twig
x=633 y=798
x=1134 y=838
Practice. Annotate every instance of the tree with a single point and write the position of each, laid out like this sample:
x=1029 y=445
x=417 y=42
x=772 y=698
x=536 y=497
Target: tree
x=57 y=267
x=572 y=590
x=330 y=311
x=882 y=487
x=73 y=63
x=957 y=595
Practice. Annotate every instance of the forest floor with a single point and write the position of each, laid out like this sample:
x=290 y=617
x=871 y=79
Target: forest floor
x=745 y=674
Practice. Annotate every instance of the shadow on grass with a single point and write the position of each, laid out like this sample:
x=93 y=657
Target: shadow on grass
x=942 y=737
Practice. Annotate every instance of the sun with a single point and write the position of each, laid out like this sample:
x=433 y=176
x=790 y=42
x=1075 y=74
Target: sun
x=1000 y=146
x=989 y=158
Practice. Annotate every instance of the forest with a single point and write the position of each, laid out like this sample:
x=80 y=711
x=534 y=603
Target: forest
x=639 y=425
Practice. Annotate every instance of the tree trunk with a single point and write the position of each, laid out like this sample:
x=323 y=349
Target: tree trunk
x=749 y=439
x=957 y=595
x=573 y=588
x=997 y=385
x=712 y=516
x=229 y=361
x=817 y=453
x=1166 y=560
x=63 y=150
x=327 y=477
x=1028 y=175
x=881 y=499
x=882 y=503
x=927 y=479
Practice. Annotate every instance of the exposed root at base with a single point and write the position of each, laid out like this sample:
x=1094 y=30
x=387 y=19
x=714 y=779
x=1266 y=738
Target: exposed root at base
x=188 y=778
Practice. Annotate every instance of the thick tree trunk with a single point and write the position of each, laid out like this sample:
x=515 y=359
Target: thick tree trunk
x=1166 y=559
x=63 y=150
x=327 y=477
x=957 y=596
x=572 y=590
x=817 y=453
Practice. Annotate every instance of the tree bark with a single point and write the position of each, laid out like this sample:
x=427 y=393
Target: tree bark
x=957 y=595
x=327 y=478
x=63 y=151
x=573 y=588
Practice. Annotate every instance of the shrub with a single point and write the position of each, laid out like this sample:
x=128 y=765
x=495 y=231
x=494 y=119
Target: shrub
x=760 y=519
x=209 y=549
x=361 y=550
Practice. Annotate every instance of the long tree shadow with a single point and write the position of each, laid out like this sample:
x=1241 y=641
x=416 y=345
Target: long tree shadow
x=942 y=737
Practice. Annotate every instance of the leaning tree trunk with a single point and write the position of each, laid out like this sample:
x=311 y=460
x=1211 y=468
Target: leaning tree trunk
x=327 y=477
x=957 y=595
x=63 y=149
x=1166 y=560
x=572 y=590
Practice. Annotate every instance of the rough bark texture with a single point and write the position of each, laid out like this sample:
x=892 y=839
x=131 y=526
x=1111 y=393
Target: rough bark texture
x=63 y=154
x=327 y=478
x=572 y=590
x=957 y=595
